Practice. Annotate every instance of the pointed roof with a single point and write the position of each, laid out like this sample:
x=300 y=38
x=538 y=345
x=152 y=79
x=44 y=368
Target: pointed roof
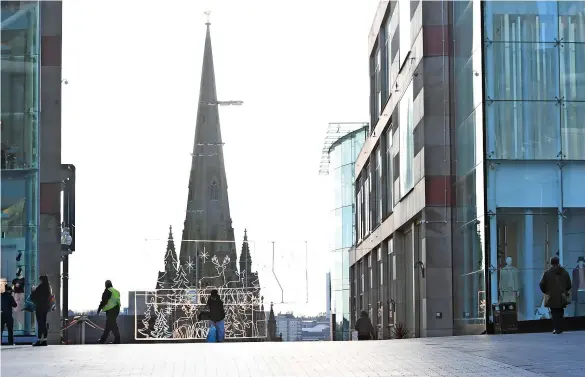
x=245 y=257
x=170 y=255
x=208 y=210
x=271 y=315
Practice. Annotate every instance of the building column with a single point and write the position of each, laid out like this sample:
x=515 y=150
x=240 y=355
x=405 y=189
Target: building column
x=527 y=266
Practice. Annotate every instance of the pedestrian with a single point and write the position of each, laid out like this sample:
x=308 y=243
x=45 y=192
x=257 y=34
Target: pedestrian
x=8 y=302
x=110 y=304
x=364 y=327
x=41 y=297
x=217 y=314
x=556 y=285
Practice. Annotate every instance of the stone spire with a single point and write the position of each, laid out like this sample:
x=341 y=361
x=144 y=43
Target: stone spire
x=208 y=213
x=245 y=257
x=170 y=262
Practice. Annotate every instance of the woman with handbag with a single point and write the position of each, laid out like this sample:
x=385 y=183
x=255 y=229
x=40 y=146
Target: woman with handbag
x=41 y=297
x=556 y=285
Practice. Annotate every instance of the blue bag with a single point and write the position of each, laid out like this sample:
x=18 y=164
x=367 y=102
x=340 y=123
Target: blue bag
x=29 y=305
x=212 y=335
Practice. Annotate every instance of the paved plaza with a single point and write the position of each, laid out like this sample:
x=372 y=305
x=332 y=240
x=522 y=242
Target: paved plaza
x=469 y=356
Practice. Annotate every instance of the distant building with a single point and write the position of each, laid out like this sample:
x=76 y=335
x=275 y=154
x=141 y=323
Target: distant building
x=315 y=331
x=289 y=327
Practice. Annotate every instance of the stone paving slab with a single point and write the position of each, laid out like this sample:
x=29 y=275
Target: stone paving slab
x=530 y=355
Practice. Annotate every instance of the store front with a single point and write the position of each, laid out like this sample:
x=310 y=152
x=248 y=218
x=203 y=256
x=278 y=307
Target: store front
x=20 y=54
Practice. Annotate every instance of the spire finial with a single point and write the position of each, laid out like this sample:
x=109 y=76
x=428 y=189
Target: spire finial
x=208 y=14
x=245 y=233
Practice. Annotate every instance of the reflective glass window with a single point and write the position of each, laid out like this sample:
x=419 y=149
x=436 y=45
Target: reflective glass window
x=404 y=29
x=573 y=258
x=525 y=130
x=572 y=21
x=525 y=21
x=572 y=71
x=573 y=130
x=522 y=71
x=406 y=142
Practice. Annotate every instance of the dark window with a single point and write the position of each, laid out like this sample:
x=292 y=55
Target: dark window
x=214 y=191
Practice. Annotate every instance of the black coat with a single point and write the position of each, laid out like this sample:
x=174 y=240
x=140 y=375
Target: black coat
x=42 y=297
x=554 y=283
x=8 y=303
x=216 y=311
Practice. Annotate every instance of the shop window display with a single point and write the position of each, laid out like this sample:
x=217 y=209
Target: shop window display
x=573 y=258
x=527 y=239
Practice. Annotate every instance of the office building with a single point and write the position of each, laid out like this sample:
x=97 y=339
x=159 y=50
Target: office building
x=343 y=142
x=288 y=327
x=31 y=154
x=472 y=176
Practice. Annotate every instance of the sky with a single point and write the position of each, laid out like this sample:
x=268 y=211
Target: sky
x=129 y=112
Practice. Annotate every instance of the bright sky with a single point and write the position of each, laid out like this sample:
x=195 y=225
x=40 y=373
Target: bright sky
x=129 y=114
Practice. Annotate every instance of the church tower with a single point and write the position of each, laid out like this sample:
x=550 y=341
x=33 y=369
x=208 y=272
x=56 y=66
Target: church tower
x=207 y=218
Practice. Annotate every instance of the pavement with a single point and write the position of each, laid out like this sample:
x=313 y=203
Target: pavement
x=521 y=355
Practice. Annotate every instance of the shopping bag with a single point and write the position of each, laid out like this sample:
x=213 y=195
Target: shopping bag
x=29 y=305
x=212 y=335
x=53 y=303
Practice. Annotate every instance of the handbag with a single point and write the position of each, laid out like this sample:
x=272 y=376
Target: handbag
x=212 y=335
x=52 y=303
x=29 y=305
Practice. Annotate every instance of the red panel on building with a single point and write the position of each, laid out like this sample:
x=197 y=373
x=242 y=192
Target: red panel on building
x=433 y=40
x=51 y=51
x=50 y=198
x=435 y=190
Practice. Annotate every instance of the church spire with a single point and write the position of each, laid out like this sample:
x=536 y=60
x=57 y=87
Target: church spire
x=170 y=258
x=208 y=210
x=245 y=257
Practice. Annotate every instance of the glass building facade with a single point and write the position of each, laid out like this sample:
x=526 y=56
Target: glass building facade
x=343 y=154
x=20 y=68
x=518 y=148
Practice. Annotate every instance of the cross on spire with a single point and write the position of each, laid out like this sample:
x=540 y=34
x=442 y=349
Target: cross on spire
x=208 y=14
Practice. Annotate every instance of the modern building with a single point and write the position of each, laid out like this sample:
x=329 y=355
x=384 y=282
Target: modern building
x=328 y=295
x=31 y=154
x=471 y=177
x=343 y=142
x=315 y=331
x=288 y=327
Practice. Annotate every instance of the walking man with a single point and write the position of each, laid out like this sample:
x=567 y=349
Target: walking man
x=556 y=284
x=110 y=304
x=8 y=303
x=364 y=327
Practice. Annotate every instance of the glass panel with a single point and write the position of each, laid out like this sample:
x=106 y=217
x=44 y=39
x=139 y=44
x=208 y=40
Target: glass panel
x=404 y=29
x=573 y=258
x=572 y=21
x=572 y=71
x=19 y=89
x=468 y=86
x=379 y=188
x=389 y=177
x=347 y=187
x=522 y=71
x=19 y=239
x=469 y=273
x=527 y=239
x=522 y=21
x=406 y=142
x=525 y=130
x=573 y=130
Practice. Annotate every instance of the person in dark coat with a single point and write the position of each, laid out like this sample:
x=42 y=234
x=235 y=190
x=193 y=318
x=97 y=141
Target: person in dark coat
x=217 y=314
x=556 y=285
x=364 y=327
x=41 y=296
x=8 y=302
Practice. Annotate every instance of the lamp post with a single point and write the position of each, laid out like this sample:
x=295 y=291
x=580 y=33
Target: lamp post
x=67 y=234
